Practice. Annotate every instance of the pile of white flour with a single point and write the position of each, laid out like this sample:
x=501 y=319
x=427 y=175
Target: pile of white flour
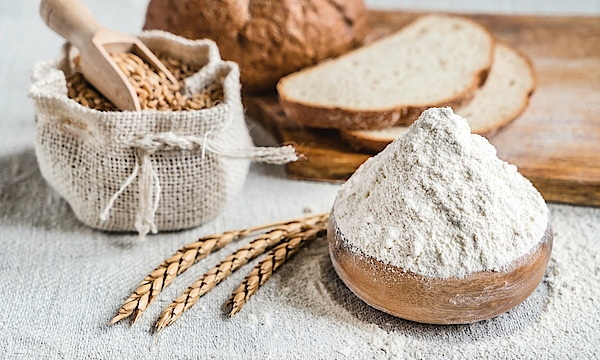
x=439 y=202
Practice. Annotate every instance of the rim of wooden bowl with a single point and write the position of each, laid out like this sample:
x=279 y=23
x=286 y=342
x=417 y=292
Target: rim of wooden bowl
x=478 y=296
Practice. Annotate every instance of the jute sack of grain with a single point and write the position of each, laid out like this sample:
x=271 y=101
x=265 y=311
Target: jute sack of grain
x=146 y=171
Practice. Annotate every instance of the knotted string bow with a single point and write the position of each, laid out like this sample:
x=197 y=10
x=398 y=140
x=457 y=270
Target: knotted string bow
x=147 y=145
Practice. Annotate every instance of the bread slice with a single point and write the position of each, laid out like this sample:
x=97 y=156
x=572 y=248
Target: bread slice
x=503 y=97
x=434 y=61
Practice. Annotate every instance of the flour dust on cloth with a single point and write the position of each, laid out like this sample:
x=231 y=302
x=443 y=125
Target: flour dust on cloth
x=147 y=170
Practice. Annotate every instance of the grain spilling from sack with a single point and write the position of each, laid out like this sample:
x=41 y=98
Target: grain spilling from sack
x=153 y=89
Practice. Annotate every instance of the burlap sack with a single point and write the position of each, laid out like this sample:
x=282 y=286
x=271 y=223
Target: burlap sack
x=146 y=170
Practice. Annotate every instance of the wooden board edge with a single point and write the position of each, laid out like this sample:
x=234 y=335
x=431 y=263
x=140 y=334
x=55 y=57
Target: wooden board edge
x=565 y=192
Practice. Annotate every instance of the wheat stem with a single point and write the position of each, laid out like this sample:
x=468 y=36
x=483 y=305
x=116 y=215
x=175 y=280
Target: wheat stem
x=149 y=288
x=264 y=269
x=233 y=262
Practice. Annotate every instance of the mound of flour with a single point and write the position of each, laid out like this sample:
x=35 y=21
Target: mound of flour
x=439 y=202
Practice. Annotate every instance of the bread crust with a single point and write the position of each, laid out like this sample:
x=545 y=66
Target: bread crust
x=490 y=130
x=360 y=141
x=268 y=39
x=349 y=119
x=345 y=119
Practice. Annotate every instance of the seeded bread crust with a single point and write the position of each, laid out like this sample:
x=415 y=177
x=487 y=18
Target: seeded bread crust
x=311 y=115
x=362 y=140
x=268 y=39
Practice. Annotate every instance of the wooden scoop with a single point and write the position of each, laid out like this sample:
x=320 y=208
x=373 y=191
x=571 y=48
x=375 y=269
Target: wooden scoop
x=73 y=21
x=478 y=296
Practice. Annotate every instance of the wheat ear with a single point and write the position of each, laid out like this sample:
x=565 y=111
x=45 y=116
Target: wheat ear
x=264 y=269
x=233 y=262
x=148 y=290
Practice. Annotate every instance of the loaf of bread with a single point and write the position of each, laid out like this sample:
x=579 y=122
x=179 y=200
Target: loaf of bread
x=268 y=39
x=503 y=97
x=434 y=61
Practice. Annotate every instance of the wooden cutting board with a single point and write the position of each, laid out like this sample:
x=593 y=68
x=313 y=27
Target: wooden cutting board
x=555 y=142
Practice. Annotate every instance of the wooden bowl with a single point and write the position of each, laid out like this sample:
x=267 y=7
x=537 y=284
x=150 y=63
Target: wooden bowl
x=477 y=296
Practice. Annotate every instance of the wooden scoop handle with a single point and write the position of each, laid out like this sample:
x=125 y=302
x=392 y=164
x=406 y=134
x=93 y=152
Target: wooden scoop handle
x=71 y=19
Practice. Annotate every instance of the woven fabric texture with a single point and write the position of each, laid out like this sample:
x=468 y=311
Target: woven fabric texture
x=145 y=170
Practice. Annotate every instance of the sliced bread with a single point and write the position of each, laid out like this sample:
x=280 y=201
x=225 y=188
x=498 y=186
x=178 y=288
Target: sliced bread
x=434 y=61
x=503 y=97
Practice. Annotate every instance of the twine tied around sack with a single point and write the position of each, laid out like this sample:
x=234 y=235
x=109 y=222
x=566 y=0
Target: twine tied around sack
x=144 y=146
x=88 y=155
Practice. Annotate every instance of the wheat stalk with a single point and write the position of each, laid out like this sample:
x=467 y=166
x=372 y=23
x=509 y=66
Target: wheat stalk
x=148 y=290
x=264 y=269
x=166 y=272
x=233 y=262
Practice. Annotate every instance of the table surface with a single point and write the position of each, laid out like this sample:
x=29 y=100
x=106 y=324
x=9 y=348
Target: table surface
x=62 y=282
